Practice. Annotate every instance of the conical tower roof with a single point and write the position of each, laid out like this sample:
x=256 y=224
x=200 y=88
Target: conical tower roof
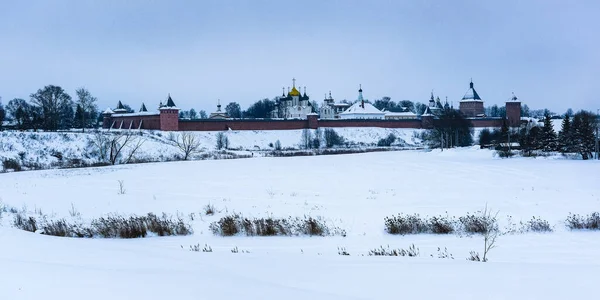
x=120 y=108
x=471 y=94
x=170 y=102
x=143 y=108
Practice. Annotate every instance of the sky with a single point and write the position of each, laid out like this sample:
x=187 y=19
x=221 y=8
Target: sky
x=545 y=51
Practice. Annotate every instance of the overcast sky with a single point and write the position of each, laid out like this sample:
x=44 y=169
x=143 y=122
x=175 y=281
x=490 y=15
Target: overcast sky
x=546 y=52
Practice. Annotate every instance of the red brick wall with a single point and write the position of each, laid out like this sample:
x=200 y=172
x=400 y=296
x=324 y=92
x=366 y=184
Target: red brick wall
x=149 y=122
x=313 y=121
x=169 y=119
x=513 y=113
x=371 y=123
x=471 y=108
x=158 y=123
x=487 y=122
x=216 y=125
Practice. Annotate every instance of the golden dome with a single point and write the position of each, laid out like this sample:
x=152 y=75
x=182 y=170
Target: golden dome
x=294 y=92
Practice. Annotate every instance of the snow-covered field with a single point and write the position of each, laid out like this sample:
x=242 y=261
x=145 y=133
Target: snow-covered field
x=354 y=192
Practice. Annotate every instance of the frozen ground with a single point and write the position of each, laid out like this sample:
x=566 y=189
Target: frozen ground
x=354 y=192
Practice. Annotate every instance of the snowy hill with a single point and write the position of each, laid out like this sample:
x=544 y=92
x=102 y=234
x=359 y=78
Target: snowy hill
x=354 y=192
x=35 y=150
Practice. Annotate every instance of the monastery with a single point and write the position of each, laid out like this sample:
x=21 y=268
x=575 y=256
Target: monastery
x=295 y=111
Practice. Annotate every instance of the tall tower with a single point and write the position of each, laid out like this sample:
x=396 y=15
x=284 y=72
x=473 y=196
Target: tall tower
x=471 y=104
x=513 y=111
x=360 y=96
x=169 y=116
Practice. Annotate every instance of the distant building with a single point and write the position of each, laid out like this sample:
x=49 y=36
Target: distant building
x=362 y=109
x=331 y=110
x=403 y=115
x=471 y=104
x=218 y=114
x=293 y=105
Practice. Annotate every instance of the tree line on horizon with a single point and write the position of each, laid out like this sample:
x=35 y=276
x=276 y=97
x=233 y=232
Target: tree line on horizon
x=51 y=108
x=577 y=135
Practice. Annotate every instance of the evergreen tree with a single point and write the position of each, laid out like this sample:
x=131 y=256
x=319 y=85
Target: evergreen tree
x=2 y=113
x=565 y=142
x=233 y=110
x=193 y=114
x=548 y=135
x=203 y=114
x=530 y=139
x=583 y=133
x=406 y=105
x=78 y=121
x=260 y=109
x=485 y=137
x=504 y=132
x=452 y=129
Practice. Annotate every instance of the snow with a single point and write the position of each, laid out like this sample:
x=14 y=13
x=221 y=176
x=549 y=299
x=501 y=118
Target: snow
x=360 y=110
x=136 y=114
x=400 y=114
x=39 y=147
x=354 y=192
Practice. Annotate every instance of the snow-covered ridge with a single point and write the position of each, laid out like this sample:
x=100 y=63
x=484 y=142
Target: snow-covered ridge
x=51 y=149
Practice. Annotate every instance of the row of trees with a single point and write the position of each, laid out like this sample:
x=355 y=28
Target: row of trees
x=451 y=129
x=51 y=109
x=577 y=135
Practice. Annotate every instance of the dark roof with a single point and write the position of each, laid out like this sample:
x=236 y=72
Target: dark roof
x=170 y=102
x=120 y=105
x=143 y=108
x=471 y=94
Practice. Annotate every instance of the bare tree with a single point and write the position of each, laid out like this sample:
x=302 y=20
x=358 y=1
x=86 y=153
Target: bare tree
x=101 y=143
x=133 y=148
x=490 y=233
x=222 y=141
x=121 y=187
x=111 y=146
x=118 y=143
x=306 y=139
x=188 y=144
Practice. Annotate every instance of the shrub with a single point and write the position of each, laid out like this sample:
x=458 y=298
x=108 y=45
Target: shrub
x=226 y=226
x=591 y=221
x=25 y=223
x=196 y=248
x=536 y=225
x=405 y=224
x=387 y=141
x=444 y=254
x=478 y=223
x=209 y=210
x=108 y=227
x=64 y=229
x=342 y=251
x=412 y=251
x=441 y=225
x=332 y=138
x=237 y=224
x=11 y=164
x=474 y=256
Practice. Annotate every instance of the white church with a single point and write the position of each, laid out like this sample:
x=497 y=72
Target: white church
x=362 y=109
